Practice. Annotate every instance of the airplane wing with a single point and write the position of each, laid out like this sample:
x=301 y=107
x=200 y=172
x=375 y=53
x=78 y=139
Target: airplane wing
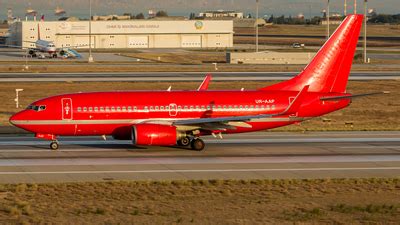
x=206 y=82
x=291 y=109
x=336 y=98
x=72 y=47
x=15 y=46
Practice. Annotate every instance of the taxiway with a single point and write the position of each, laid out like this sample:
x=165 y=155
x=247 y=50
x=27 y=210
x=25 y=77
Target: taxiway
x=242 y=156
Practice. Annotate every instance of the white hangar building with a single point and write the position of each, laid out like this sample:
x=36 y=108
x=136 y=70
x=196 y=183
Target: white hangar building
x=126 y=34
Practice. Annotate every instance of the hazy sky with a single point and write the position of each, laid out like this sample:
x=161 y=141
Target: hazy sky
x=184 y=7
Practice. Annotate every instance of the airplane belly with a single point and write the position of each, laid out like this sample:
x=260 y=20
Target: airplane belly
x=59 y=129
x=97 y=129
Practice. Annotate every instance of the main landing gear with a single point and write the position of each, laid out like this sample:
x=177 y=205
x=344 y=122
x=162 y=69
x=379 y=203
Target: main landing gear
x=197 y=144
x=54 y=145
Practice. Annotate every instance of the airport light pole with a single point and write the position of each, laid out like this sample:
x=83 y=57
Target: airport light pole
x=90 y=58
x=328 y=34
x=365 y=31
x=257 y=1
x=355 y=7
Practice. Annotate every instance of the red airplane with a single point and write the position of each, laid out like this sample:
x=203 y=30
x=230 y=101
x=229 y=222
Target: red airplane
x=169 y=118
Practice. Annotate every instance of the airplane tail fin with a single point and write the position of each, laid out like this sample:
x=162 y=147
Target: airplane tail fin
x=329 y=70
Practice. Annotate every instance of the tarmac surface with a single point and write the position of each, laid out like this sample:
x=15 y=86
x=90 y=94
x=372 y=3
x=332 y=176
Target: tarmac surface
x=240 y=156
x=175 y=76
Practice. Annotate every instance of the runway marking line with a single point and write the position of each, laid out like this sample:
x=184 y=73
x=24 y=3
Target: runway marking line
x=201 y=171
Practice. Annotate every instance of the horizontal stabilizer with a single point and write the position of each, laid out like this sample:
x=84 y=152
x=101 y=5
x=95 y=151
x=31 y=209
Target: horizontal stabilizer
x=336 y=98
x=206 y=82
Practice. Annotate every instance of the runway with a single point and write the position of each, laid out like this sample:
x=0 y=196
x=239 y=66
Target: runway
x=242 y=156
x=175 y=76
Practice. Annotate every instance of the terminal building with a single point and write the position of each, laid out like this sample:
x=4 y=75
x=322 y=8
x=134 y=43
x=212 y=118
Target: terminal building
x=125 y=34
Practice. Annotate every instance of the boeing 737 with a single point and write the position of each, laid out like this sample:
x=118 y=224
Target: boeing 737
x=170 y=118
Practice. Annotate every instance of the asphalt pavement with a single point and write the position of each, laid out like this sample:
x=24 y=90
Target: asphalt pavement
x=242 y=156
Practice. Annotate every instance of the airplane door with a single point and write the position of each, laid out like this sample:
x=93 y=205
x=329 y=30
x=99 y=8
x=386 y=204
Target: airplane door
x=67 y=109
x=173 y=109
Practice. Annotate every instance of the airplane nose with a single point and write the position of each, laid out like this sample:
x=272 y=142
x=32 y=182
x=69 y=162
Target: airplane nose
x=15 y=118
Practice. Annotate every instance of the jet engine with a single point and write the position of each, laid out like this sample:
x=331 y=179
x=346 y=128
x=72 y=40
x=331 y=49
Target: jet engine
x=154 y=134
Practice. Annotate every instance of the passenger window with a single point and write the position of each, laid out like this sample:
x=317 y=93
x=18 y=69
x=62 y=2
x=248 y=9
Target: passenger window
x=151 y=108
x=179 y=108
x=124 y=109
x=79 y=109
x=112 y=109
x=135 y=108
x=107 y=109
x=268 y=107
x=84 y=109
x=273 y=107
x=101 y=109
x=162 y=107
x=146 y=108
x=191 y=108
x=90 y=109
x=129 y=108
x=96 y=109
x=157 y=108
x=203 y=107
x=167 y=107
x=208 y=107
x=185 y=108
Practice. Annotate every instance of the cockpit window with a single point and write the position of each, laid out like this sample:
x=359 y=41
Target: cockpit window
x=51 y=45
x=36 y=108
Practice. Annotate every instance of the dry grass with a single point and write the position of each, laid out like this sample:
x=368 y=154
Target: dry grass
x=306 y=41
x=342 y=201
x=313 y=30
x=369 y=113
x=372 y=30
x=189 y=58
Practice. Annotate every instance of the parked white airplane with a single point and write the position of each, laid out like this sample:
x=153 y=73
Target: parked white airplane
x=44 y=46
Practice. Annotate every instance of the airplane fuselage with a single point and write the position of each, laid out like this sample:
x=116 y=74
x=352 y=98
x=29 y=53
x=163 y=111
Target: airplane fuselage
x=112 y=113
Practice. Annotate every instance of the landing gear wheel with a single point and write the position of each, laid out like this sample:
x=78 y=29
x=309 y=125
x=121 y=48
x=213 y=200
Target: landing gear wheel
x=54 y=145
x=184 y=141
x=198 y=144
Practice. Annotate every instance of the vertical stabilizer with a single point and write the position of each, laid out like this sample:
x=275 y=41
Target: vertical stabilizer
x=329 y=70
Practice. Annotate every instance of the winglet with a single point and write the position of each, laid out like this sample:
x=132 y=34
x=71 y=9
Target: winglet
x=204 y=85
x=296 y=103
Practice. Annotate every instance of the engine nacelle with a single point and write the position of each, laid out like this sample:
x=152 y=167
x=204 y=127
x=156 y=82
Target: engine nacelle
x=154 y=134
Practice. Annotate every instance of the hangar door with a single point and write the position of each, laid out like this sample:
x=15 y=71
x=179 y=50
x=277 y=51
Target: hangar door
x=83 y=41
x=138 y=42
x=191 y=41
